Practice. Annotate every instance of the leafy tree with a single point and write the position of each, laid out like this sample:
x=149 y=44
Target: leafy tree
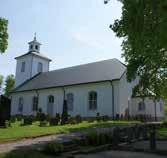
x=1 y=81
x=3 y=35
x=143 y=29
x=9 y=84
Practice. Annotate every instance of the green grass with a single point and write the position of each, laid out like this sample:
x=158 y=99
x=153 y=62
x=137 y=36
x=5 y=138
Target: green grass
x=17 y=132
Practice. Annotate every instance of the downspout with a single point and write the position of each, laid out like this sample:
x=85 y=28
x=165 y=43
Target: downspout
x=64 y=93
x=38 y=99
x=113 y=106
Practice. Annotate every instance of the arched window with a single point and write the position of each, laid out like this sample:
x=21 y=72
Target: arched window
x=36 y=47
x=23 y=65
x=51 y=99
x=20 y=105
x=40 y=67
x=161 y=106
x=70 y=101
x=141 y=106
x=31 y=46
x=92 y=100
x=35 y=103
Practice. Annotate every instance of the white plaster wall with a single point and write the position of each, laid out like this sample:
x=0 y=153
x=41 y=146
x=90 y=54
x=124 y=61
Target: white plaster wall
x=35 y=62
x=149 y=107
x=125 y=93
x=104 y=102
x=116 y=97
x=31 y=68
x=27 y=107
x=20 y=77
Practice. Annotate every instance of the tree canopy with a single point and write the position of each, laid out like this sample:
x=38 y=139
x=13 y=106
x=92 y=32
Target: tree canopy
x=1 y=81
x=3 y=35
x=143 y=27
x=9 y=84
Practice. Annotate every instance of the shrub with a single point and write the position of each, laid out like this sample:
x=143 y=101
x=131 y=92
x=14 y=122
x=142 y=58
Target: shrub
x=54 y=148
x=98 y=117
x=164 y=123
x=53 y=122
x=13 y=119
x=41 y=117
x=78 y=119
x=95 y=138
x=43 y=123
x=28 y=120
x=19 y=117
x=64 y=117
x=105 y=118
x=92 y=138
x=7 y=124
x=72 y=120
x=58 y=118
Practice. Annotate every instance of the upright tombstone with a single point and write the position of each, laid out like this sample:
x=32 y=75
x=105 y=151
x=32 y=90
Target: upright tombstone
x=153 y=138
x=116 y=137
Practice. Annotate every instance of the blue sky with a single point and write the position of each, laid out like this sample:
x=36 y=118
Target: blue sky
x=72 y=32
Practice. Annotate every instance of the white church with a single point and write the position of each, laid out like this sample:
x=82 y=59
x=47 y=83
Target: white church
x=98 y=87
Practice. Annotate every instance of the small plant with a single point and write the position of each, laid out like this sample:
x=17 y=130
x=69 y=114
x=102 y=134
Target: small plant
x=43 y=123
x=54 y=148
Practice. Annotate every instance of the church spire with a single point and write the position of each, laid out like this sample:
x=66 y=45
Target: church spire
x=35 y=36
x=34 y=46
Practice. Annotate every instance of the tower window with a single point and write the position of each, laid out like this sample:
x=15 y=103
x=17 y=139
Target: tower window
x=23 y=66
x=40 y=67
x=31 y=47
x=36 y=47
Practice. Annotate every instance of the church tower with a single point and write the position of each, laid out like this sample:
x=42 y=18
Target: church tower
x=30 y=64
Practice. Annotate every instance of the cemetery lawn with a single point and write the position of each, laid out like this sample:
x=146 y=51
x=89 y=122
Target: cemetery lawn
x=16 y=131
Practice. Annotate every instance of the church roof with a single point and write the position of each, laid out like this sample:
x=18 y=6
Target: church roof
x=107 y=70
x=35 y=54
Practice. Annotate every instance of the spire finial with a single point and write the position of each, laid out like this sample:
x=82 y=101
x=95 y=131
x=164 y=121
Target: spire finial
x=35 y=34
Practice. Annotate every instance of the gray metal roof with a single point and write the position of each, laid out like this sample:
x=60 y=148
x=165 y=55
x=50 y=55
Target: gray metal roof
x=106 y=70
x=36 y=54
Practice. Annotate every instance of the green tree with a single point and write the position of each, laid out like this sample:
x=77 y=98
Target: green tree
x=143 y=28
x=9 y=84
x=1 y=82
x=3 y=35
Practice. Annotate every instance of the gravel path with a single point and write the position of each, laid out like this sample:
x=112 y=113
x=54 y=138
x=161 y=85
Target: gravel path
x=36 y=142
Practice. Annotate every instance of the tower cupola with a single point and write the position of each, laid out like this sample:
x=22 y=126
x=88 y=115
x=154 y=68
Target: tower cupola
x=34 y=46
